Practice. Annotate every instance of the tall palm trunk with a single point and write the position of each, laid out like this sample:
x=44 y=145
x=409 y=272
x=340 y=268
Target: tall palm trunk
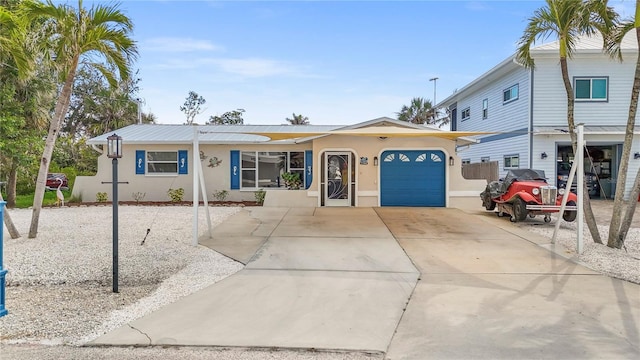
x=62 y=105
x=618 y=230
x=588 y=212
x=631 y=210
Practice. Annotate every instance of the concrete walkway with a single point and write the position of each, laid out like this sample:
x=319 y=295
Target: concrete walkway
x=339 y=279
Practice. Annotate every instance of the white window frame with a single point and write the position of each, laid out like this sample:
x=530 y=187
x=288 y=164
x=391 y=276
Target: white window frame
x=485 y=159
x=256 y=170
x=150 y=162
x=485 y=109
x=465 y=113
x=510 y=91
x=511 y=157
x=466 y=161
x=591 y=98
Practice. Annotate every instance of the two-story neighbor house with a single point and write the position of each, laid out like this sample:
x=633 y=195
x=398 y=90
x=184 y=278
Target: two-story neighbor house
x=529 y=109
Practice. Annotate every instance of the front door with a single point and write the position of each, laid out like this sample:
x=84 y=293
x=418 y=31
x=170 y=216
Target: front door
x=338 y=179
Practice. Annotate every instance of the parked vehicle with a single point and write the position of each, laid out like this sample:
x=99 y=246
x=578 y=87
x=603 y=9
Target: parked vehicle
x=525 y=192
x=53 y=181
x=591 y=179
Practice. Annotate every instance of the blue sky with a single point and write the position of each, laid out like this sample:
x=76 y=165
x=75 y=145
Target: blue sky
x=336 y=62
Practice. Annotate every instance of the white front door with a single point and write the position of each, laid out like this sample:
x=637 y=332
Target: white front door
x=338 y=179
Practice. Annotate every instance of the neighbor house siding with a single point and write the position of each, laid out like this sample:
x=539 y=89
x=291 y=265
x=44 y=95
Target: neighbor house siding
x=501 y=116
x=514 y=145
x=550 y=106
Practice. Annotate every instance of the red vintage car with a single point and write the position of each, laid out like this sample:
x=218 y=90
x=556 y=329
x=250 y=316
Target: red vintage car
x=525 y=192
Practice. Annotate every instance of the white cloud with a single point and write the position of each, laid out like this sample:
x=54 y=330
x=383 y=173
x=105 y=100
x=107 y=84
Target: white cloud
x=254 y=67
x=176 y=44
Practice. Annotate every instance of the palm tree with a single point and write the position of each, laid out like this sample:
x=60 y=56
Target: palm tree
x=420 y=111
x=298 y=120
x=78 y=35
x=567 y=20
x=618 y=227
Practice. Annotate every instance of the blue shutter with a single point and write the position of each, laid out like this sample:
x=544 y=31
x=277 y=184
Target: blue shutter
x=308 y=168
x=140 y=162
x=183 y=163
x=235 y=169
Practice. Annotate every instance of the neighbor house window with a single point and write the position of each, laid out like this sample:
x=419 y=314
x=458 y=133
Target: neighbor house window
x=264 y=169
x=466 y=161
x=594 y=89
x=511 y=161
x=485 y=159
x=485 y=109
x=162 y=162
x=510 y=94
x=466 y=114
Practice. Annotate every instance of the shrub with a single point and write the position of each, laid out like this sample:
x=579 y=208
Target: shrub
x=292 y=181
x=176 y=195
x=101 y=197
x=259 y=195
x=220 y=195
x=138 y=196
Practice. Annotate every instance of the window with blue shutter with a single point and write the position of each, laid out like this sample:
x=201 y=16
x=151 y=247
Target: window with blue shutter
x=308 y=168
x=235 y=169
x=183 y=163
x=140 y=165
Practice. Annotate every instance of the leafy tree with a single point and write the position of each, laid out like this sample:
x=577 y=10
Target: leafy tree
x=618 y=227
x=298 y=120
x=233 y=117
x=75 y=36
x=420 y=111
x=192 y=105
x=97 y=108
x=566 y=20
x=25 y=101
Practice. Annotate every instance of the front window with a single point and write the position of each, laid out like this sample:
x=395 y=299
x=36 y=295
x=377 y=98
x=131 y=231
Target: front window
x=510 y=94
x=593 y=89
x=162 y=162
x=264 y=169
x=511 y=161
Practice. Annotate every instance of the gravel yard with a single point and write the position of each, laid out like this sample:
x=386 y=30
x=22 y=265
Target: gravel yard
x=59 y=284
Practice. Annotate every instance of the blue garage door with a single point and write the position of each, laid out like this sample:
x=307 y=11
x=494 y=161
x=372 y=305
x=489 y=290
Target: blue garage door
x=412 y=178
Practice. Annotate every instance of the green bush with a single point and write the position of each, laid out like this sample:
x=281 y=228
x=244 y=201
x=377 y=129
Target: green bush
x=176 y=195
x=101 y=197
x=259 y=195
x=292 y=181
x=220 y=195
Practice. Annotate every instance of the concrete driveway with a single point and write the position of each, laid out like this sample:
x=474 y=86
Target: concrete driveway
x=315 y=278
x=340 y=279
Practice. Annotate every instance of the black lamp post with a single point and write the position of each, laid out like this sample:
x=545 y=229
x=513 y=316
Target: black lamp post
x=114 y=151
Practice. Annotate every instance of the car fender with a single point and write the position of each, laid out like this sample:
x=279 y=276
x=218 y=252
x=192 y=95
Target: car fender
x=525 y=196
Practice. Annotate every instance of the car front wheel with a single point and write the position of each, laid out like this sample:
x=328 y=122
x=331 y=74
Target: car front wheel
x=570 y=216
x=519 y=210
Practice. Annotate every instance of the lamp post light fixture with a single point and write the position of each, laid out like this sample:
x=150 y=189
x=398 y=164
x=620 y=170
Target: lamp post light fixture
x=114 y=151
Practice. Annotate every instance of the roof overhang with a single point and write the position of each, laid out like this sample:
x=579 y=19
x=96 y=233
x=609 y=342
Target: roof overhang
x=588 y=130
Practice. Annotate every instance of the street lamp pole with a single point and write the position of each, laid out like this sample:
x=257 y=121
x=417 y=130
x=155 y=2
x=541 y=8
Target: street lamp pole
x=434 y=79
x=433 y=106
x=114 y=151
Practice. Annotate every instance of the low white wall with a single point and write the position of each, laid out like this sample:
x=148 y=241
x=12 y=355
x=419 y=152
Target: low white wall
x=289 y=198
